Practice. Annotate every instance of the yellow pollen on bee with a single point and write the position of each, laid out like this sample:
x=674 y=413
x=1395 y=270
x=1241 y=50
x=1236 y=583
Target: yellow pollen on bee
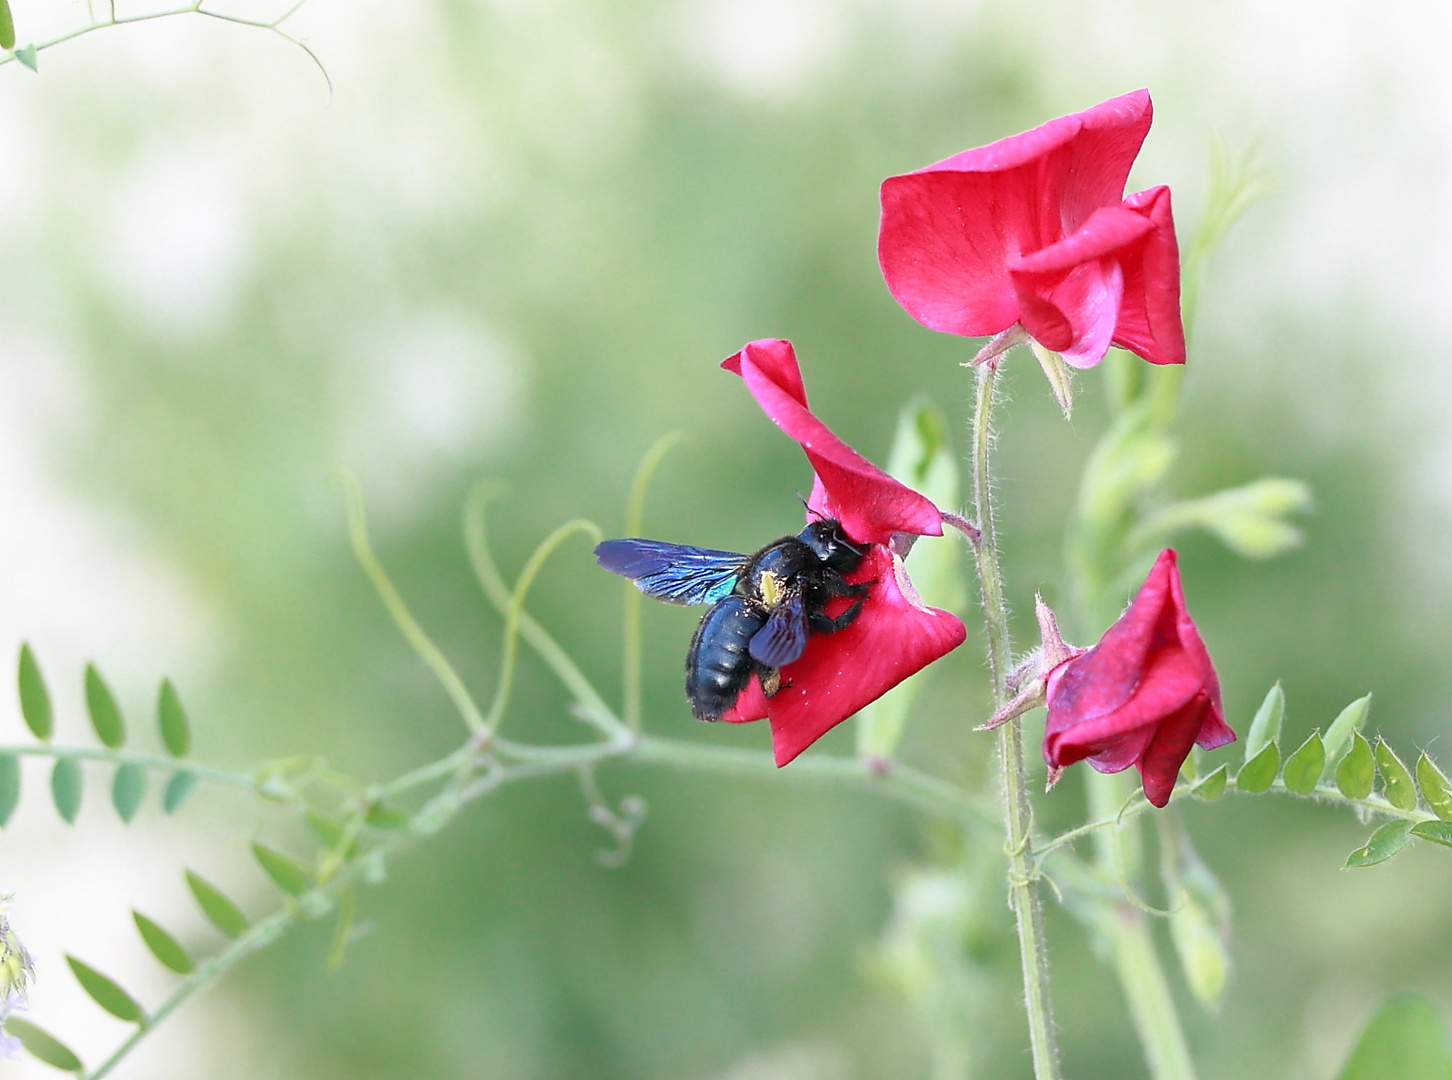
x=771 y=589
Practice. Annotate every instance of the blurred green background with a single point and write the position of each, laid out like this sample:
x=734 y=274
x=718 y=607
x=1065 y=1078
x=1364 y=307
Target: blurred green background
x=515 y=243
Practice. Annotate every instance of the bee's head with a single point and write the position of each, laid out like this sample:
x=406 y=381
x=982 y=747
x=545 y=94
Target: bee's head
x=830 y=544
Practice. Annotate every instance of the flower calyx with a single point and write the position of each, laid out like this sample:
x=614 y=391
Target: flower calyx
x=1029 y=682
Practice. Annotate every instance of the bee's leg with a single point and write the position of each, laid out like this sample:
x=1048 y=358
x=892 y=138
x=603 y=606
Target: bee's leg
x=825 y=625
x=835 y=586
x=771 y=683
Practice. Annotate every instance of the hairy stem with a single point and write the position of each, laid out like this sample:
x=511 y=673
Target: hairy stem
x=1018 y=815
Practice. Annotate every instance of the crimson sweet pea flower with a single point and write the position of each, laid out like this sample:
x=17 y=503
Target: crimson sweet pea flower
x=1033 y=230
x=894 y=634
x=1142 y=696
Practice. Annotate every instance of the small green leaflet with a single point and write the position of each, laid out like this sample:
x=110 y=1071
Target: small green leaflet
x=1397 y=783
x=27 y=57
x=41 y=1044
x=1350 y=721
x=176 y=731
x=1304 y=767
x=163 y=946
x=289 y=875
x=177 y=789
x=7 y=26
x=1213 y=786
x=1259 y=774
x=105 y=713
x=34 y=697
x=106 y=992
x=1405 y=1040
x=1382 y=844
x=9 y=786
x=1434 y=784
x=128 y=788
x=221 y=912
x=65 y=788
x=1439 y=832
x=1266 y=727
x=1357 y=771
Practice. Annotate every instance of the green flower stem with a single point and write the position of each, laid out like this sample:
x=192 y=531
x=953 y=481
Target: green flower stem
x=1023 y=870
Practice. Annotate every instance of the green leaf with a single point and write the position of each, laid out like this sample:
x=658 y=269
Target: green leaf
x=163 y=946
x=1350 y=720
x=1304 y=767
x=1213 y=786
x=27 y=57
x=1439 y=832
x=176 y=731
x=1266 y=727
x=128 y=788
x=1397 y=783
x=1381 y=845
x=289 y=875
x=1405 y=1040
x=106 y=992
x=382 y=816
x=1357 y=770
x=1202 y=952
x=178 y=788
x=9 y=786
x=7 y=26
x=328 y=831
x=34 y=697
x=41 y=1044
x=221 y=912
x=1434 y=784
x=1259 y=774
x=105 y=713
x=66 y=783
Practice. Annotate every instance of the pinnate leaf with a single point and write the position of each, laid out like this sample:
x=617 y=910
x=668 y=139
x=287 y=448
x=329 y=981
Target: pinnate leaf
x=34 y=697
x=1357 y=771
x=220 y=911
x=163 y=946
x=1434 y=784
x=106 y=992
x=1405 y=1040
x=289 y=875
x=1397 y=783
x=178 y=788
x=1382 y=844
x=176 y=730
x=9 y=786
x=1304 y=767
x=42 y=1045
x=128 y=788
x=105 y=713
x=1350 y=720
x=66 y=783
x=1266 y=727
x=1259 y=773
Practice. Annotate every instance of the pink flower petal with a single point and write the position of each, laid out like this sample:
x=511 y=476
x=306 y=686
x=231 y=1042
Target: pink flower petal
x=948 y=231
x=1149 y=317
x=1159 y=765
x=893 y=637
x=870 y=504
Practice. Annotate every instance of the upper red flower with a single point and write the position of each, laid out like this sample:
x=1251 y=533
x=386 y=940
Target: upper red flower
x=895 y=634
x=1142 y=696
x=1034 y=229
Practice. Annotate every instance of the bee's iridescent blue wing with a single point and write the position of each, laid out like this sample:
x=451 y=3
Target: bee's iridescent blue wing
x=675 y=573
x=784 y=637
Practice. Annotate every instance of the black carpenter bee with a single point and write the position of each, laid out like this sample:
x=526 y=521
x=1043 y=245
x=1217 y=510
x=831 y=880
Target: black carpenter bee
x=762 y=605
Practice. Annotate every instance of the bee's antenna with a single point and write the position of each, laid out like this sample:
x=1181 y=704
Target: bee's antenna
x=808 y=509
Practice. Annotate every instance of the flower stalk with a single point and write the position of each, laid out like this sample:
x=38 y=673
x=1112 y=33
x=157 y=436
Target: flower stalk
x=1018 y=815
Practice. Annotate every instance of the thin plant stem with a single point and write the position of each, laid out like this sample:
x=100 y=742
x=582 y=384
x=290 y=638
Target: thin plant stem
x=1018 y=815
x=630 y=619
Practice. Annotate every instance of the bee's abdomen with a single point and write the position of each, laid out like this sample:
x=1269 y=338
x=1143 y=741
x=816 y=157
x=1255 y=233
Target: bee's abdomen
x=718 y=667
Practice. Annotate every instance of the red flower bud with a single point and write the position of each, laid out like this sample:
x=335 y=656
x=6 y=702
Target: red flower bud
x=1143 y=696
